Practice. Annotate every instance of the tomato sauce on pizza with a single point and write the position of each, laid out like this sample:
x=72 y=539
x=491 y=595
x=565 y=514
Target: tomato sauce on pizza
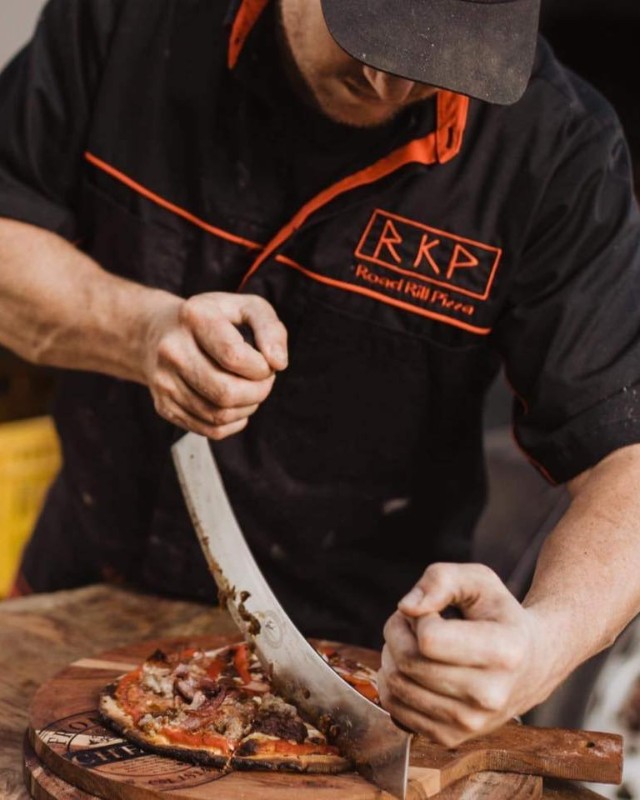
x=217 y=707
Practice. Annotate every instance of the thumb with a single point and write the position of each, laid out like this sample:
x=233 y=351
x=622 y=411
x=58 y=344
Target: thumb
x=430 y=595
x=474 y=589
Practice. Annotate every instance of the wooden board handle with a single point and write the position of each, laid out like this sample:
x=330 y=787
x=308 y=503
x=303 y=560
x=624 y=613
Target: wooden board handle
x=550 y=752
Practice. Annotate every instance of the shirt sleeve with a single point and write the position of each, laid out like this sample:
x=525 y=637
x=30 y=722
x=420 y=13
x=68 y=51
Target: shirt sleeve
x=45 y=101
x=570 y=334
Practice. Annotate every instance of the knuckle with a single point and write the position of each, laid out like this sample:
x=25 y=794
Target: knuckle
x=471 y=722
x=189 y=311
x=490 y=577
x=491 y=698
x=163 y=406
x=389 y=628
x=168 y=350
x=223 y=395
x=395 y=682
x=390 y=635
x=276 y=330
x=230 y=355
x=510 y=658
x=258 y=303
x=438 y=573
x=425 y=643
x=485 y=571
x=426 y=640
x=404 y=664
x=219 y=432
x=223 y=416
x=161 y=384
x=219 y=417
x=437 y=570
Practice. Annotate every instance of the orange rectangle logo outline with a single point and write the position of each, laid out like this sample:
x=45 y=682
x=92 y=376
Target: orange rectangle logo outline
x=417 y=275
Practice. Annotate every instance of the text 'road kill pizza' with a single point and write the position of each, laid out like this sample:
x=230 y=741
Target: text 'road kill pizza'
x=216 y=707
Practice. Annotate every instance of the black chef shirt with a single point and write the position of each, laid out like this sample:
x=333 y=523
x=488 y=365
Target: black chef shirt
x=366 y=462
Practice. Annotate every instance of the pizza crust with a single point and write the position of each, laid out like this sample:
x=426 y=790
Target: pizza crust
x=117 y=718
x=317 y=765
x=259 y=730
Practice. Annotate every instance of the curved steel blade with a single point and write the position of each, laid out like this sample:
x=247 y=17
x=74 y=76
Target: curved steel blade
x=363 y=731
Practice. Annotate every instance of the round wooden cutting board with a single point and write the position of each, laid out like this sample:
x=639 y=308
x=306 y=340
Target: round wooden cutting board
x=75 y=757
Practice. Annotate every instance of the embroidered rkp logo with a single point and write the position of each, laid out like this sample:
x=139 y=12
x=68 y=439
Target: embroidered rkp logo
x=429 y=255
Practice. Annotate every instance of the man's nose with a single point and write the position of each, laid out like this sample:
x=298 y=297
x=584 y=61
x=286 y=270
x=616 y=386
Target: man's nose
x=389 y=88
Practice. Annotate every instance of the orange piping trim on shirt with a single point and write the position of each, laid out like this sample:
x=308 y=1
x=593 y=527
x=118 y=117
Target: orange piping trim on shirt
x=349 y=287
x=421 y=151
x=536 y=464
x=515 y=393
x=247 y=16
x=452 y=120
x=514 y=435
x=181 y=212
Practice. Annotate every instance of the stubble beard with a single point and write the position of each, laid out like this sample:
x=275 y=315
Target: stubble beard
x=330 y=94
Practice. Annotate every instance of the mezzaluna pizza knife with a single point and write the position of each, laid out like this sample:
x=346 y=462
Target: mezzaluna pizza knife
x=362 y=730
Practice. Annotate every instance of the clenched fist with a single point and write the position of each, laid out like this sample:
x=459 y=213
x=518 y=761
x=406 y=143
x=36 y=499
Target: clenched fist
x=202 y=374
x=452 y=679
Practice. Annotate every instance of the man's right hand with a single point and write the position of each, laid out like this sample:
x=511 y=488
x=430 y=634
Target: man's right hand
x=202 y=374
x=60 y=308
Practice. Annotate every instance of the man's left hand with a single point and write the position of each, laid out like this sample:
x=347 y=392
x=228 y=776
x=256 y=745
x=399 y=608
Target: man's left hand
x=453 y=679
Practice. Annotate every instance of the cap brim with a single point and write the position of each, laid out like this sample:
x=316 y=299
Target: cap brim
x=481 y=49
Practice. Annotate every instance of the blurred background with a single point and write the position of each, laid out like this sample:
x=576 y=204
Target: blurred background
x=17 y=19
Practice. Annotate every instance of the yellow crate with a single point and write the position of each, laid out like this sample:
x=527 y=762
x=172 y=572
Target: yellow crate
x=29 y=459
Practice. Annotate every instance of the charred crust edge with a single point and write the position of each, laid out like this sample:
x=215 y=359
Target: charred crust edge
x=122 y=724
x=317 y=766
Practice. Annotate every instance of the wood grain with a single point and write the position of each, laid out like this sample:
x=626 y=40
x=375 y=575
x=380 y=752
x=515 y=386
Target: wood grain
x=560 y=790
x=68 y=737
x=45 y=785
x=493 y=786
x=41 y=634
x=551 y=752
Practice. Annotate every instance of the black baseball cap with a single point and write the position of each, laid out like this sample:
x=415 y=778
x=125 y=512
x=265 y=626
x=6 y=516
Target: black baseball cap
x=482 y=48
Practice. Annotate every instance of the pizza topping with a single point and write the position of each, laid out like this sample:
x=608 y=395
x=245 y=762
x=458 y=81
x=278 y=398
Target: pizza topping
x=179 y=735
x=261 y=745
x=158 y=656
x=241 y=663
x=279 y=719
x=216 y=706
x=186 y=688
x=198 y=701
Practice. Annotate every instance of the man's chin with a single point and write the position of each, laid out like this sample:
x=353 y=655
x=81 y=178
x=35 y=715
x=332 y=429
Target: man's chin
x=358 y=115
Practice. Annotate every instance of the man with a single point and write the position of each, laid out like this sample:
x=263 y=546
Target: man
x=405 y=240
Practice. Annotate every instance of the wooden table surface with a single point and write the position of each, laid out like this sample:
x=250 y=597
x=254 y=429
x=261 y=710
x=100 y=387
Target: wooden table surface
x=40 y=635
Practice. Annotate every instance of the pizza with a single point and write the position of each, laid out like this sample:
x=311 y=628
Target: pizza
x=216 y=707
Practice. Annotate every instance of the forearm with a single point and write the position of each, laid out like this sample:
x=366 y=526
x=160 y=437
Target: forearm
x=586 y=586
x=455 y=678
x=58 y=307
